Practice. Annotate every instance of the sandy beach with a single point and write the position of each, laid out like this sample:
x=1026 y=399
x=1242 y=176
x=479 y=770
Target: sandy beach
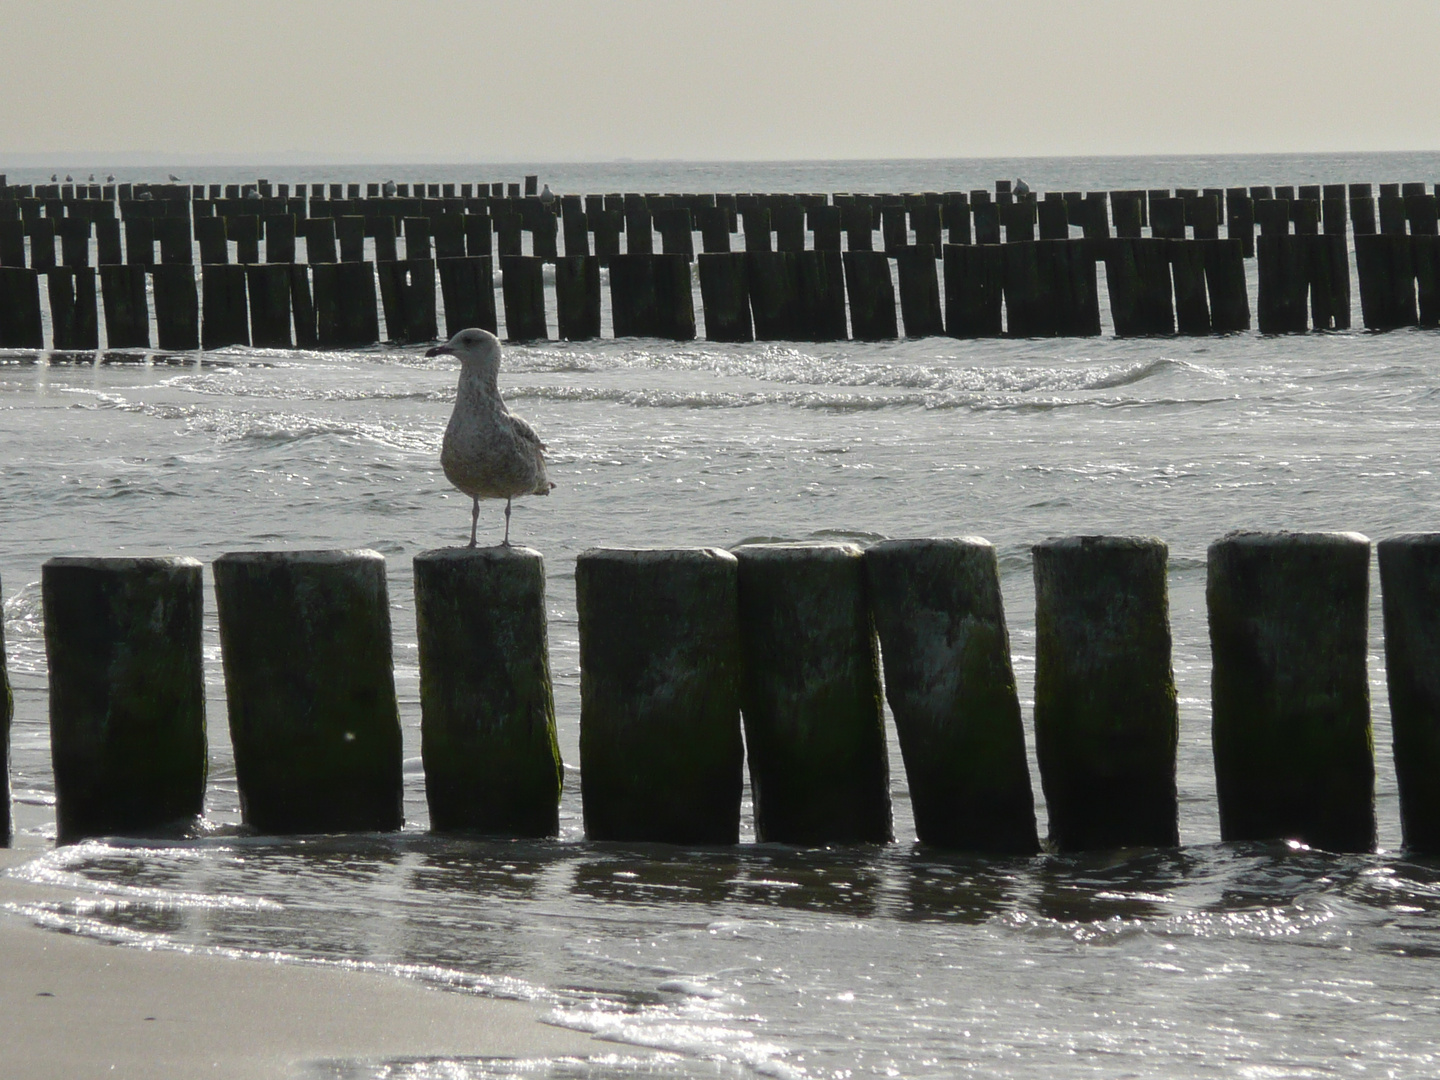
x=73 y=1008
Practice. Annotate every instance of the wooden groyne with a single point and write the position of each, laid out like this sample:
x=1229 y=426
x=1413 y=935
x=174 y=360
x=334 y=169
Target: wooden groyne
x=327 y=266
x=694 y=662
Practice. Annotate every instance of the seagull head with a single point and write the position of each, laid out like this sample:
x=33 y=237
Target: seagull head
x=477 y=350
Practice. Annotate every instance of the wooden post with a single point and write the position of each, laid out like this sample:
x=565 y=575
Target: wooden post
x=320 y=240
x=825 y=226
x=674 y=297
x=127 y=313
x=74 y=323
x=951 y=688
x=1029 y=301
x=350 y=234
x=305 y=639
x=661 y=755
x=177 y=307
x=225 y=321
x=757 y=228
x=820 y=278
x=302 y=305
x=725 y=293
x=1187 y=266
x=407 y=294
x=1328 y=269
x=1410 y=589
x=269 y=287
x=859 y=227
x=280 y=238
x=345 y=311
x=127 y=694
x=714 y=225
x=871 y=292
x=1106 y=720
x=1289 y=688
x=920 y=292
x=1054 y=220
x=1225 y=282
x=467 y=287
x=814 y=730
x=577 y=297
x=74 y=241
x=974 y=289
x=789 y=223
x=774 y=294
x=523 y=286
x=214 y=245
x=639 y=229
x=487 y=731
x=1386 y=271
x=633 y=304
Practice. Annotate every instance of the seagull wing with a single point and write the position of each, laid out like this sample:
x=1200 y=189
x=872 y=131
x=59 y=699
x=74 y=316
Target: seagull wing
x=525 y=431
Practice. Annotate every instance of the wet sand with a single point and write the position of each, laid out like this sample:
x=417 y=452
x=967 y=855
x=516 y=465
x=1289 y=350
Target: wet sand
x=73 y=1008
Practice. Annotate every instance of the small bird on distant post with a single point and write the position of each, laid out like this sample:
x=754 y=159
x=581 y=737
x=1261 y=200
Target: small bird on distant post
x=488 y=452
x=546 y=196
x=1021 y=188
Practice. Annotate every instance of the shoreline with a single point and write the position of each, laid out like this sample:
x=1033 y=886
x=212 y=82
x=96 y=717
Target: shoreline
x=73 y=1007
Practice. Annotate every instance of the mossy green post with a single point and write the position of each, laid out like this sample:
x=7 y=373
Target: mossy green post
x=1106 y=721
x=661 y=755
x=127 y=693
x=305 y=637
x=1410 y=591
x=7 y=716
x=814 y=726
x=951 y=688
x=1291 y=696
x=487 y=713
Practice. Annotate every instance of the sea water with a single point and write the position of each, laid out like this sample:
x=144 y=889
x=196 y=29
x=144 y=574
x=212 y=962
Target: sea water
x=1257 y=960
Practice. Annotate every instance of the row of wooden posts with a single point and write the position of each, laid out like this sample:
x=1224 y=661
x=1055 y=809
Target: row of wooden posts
x=793 y=281
x=693 y=660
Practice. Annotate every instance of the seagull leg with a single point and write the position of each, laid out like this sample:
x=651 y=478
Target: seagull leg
x=506 y=541
x=474 y=517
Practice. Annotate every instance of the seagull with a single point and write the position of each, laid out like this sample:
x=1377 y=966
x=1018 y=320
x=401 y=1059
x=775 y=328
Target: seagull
x=488 y=452
x=389 y=189
x=174 y=179
x=54 y=178
x=92 y=178
x=1021 y=188
x=546 y=196
x=69 y=179
x=110 y=178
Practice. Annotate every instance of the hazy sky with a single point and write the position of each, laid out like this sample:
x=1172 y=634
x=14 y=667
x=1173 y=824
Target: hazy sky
x=548 y=80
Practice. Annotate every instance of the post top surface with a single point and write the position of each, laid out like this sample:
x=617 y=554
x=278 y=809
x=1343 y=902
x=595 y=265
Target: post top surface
x=120 y=562
x=318 y=557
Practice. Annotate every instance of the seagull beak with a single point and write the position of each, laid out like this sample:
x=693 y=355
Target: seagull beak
x=440 y=350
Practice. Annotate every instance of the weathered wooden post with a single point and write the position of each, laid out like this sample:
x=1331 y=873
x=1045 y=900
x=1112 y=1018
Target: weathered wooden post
x=1106 y=721
x=756 y=221
x=774 y=294
x=225 y=320
x=661 y=756
x=1225 y=283
x=820 y=278
x=577 y=297
x=320 y=240
x=920 y=292
x=127 y=694
x=814 y=729
x=1029 y=301
x=871 y=291
x=345 y=311
x=305 y=637
x=1187 y=266
x=951 y=688
x=177 y=306
x=974 y=290
x=1410 y=591
x=725 y=294
x=1289 y=688
x=407 y=294
x=487 y=730
x=127 y=313
x=674 y=297
x=73 y=313
x=269 y=287
x=302 y=306
x=1384 y=265
x=467 y=287
x=214 y=244
x=350 y=235
x=522 y=282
